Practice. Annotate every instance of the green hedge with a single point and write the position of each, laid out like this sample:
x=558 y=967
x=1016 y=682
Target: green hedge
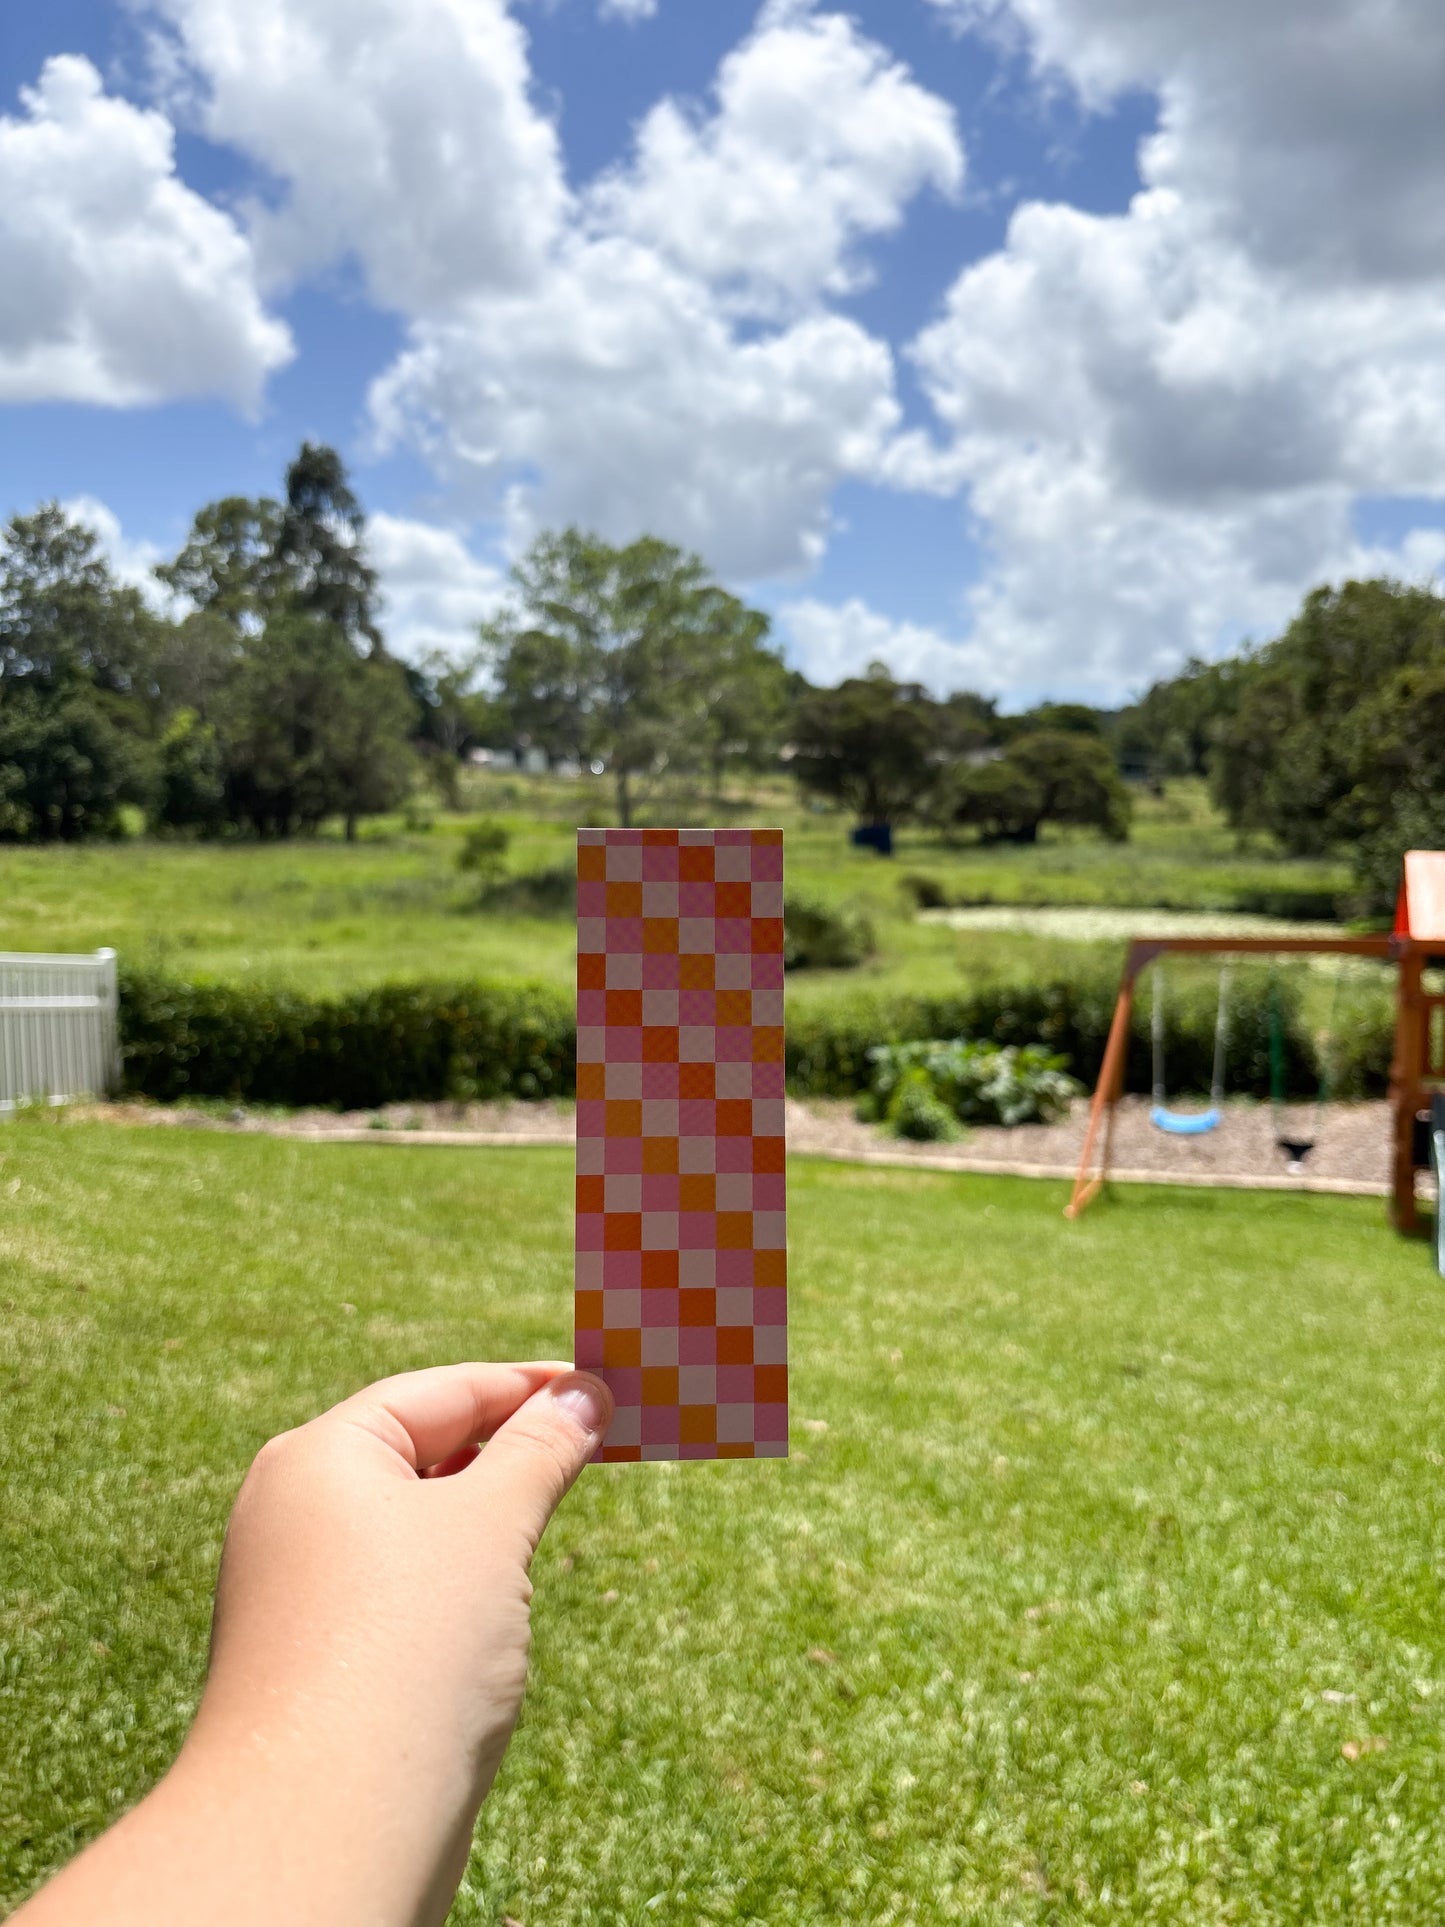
x=828 y=1046
x=401 y=1042
x=355 y=1050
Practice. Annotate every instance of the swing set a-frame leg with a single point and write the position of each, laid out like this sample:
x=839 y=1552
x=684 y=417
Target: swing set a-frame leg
x=1099 y=1138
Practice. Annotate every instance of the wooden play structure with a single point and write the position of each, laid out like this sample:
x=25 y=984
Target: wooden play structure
x=1417 y=1072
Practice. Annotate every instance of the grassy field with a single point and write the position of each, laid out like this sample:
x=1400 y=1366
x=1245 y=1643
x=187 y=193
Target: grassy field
x=324 y=914
x=1104 y=1584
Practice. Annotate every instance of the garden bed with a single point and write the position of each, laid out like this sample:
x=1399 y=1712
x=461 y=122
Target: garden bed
x=1353 y=1138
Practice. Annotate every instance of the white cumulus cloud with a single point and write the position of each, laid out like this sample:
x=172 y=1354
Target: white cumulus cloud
x=435 y=591
x=118 y=284
x=627 y=9
x=1164 y=417
x=619 y=387
x=829 y=641
x=818 y=139
x=637 y=406
x=402 y=132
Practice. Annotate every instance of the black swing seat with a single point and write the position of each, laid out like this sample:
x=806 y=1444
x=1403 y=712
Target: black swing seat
x=1296 y=1149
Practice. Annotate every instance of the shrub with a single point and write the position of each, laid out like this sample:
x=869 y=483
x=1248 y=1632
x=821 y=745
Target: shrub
x=484 y=851
x=535 y=893
x=978 y=1083
x=823 y=936
x=397 y=1042
x=918 y=1113
x=924 y=892
x=1361 y=1043
x=356 y=1050
x=1069 y=1017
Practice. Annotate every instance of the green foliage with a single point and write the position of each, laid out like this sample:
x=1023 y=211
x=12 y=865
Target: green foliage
x=66 y=765
x=1175 y=728
x=547 y=893
x=635 y=657
x=483 y=853
x=320 y=547
x=370 y=1047
x=230 y=565
x=871 y=744
x=1060 y=775
x=829 y=1047
x=924 y=892
x=1360 y=1041
x=916 y=1112
x=192 y=781
x=818 y=935
x=975 y=1082
x=261 y=710
x=1119 y=1536
x=1333 y=741
x=65 y=622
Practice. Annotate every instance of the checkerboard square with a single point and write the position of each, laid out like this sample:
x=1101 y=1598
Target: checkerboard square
x=681 y=1192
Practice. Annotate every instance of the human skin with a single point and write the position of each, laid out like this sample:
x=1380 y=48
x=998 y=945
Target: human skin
x=368 y=1657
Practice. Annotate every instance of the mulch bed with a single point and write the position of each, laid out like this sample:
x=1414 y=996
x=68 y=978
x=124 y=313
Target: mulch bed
x=1353 y=1139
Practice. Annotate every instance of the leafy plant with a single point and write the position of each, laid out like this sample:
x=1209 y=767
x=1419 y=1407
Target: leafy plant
x=825 y=936
x=975 y=1082
x=484 y=852
x=917 y=1112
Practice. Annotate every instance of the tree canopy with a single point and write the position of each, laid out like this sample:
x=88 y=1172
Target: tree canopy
x=872 y=744
x=266 y=704
x=633 y=657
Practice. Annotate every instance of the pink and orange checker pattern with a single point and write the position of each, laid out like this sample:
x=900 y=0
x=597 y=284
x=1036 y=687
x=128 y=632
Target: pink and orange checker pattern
x=681 y=1201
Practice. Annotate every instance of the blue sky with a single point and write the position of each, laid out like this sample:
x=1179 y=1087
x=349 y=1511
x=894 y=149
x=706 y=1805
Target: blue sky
x=983 y=335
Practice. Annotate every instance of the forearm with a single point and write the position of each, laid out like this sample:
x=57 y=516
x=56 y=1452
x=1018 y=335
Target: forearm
x=247 y=1830
x=368 y=1657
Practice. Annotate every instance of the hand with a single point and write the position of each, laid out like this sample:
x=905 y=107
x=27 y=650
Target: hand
x=368 y=1658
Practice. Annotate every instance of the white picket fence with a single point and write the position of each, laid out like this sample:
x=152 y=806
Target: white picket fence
x=58 y=1028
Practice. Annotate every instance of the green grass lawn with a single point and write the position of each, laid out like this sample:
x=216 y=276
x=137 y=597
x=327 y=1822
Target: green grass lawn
x=322 y=914
x=1103 y=1549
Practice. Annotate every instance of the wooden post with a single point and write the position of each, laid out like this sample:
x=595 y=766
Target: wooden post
x=1107 y=1093
x=1405 y=1089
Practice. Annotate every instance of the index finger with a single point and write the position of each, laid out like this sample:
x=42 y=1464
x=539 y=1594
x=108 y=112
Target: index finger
x=426 y=1416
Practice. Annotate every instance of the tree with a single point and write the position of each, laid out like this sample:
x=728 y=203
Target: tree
x=1293 y=759
x=366 y=737
x=999 y=799
x=1077 y=719
x=968 y=724
x=77 y=650
x=312 y=730
x=320 y=547
x=617 y=653
x=64 y=619
x=451 y=715
x=191 y=781
x=871 y=744
x=65 y=765
x=230 y=565
x=741 y=694
x=1397 y=743
x=246 y=557
x=1047 y=776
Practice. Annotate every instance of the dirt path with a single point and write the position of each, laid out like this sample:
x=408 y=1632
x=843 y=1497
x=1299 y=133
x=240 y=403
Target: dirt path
x=1352 y=1151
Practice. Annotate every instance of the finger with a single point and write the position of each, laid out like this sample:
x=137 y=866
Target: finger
x=532 y=1459
x=453 y=1463
x=427 y=1416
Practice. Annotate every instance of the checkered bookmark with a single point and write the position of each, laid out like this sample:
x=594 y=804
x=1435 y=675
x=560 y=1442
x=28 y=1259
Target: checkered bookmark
x=681 y=1193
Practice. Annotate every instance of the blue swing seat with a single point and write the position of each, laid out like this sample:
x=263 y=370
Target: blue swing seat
x=1181 y=1124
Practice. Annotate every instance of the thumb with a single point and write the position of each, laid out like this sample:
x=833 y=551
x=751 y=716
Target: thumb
x=528 y=1463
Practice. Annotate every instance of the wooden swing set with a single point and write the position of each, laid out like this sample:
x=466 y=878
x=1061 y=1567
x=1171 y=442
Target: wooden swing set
x=1417 y=1069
